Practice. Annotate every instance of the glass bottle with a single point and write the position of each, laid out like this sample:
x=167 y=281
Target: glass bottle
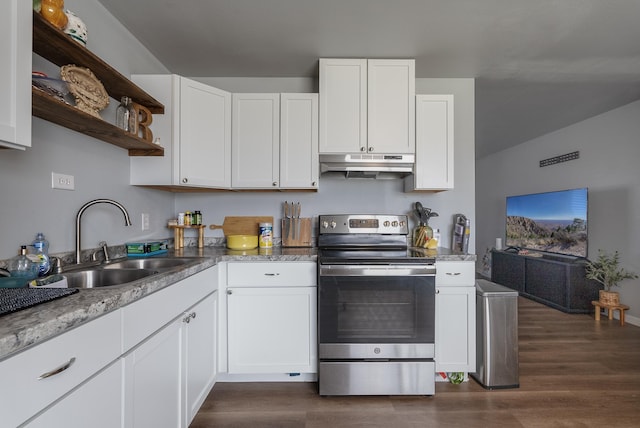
x=21 y=266
x=126 y=115
x=421 y=235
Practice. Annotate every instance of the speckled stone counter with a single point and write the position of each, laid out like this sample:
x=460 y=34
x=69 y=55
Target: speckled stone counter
x=31 y=326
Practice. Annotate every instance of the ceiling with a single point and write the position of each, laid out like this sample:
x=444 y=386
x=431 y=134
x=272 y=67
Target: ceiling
x=540 y=65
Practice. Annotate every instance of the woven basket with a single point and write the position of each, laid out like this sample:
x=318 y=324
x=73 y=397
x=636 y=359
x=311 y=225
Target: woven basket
x=609 y=297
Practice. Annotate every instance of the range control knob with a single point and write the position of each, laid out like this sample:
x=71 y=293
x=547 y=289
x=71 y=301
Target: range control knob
x=401 y=223
x=386 y=223
x=394 y=223
x=333 y=224
x=325 y=224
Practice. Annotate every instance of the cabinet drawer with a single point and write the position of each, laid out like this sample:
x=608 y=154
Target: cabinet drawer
x=455 y=273
x=93 y=345
x=149 y=314
x=274 y=274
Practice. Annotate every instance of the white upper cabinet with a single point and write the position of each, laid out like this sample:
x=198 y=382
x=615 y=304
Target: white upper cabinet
x=434 y=144
x=275 y=141
x=299 y=141
x=367 y=106
x=195 y=132
x=15 y=74
x=255 y=134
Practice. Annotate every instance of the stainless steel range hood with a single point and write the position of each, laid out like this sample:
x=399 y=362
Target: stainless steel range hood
x=367 y=165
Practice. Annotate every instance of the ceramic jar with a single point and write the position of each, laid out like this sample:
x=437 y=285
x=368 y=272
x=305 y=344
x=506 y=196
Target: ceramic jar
x=76 y=28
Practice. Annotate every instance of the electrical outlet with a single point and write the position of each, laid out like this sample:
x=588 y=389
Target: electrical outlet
x=145 y=221
x=62 y=181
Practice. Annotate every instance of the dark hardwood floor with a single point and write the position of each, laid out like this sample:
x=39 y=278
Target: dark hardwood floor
x=574 y=372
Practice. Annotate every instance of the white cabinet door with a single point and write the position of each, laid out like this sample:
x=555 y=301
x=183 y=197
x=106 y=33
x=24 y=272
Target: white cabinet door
x=200 y=347
x=367 y=106
x=391 y=106
x=455 y=338
x=195 y=131
x=434 y=144
x=15 y=71
x=299 y=141
x=256 y=141
x=343 y=105
x=205 y=138
x=271 y=330
x=95 y=404
x=153 y=382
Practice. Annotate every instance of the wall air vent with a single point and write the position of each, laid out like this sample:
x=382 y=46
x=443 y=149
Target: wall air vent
x=559 y=159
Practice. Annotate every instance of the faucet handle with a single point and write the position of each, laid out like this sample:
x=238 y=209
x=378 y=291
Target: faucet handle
x=56 y=265
x=105 y=251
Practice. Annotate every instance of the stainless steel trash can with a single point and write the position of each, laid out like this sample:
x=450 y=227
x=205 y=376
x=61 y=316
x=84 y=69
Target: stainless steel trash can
x=496 y=336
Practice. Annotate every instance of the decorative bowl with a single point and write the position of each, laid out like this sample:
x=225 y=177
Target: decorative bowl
x=242 y=242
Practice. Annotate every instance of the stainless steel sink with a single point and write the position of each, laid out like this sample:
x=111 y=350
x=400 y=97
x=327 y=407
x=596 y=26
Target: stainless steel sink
x=93 y=278
x=150 y=263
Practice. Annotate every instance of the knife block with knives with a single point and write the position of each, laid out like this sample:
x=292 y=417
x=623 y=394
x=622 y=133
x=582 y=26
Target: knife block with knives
x=296 y=230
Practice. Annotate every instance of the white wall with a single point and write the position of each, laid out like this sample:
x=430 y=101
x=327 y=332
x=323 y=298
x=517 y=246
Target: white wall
x=101 y=170
x=339 y=195
x=608 y=166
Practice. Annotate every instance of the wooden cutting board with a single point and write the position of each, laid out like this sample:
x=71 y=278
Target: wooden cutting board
x=242 y=225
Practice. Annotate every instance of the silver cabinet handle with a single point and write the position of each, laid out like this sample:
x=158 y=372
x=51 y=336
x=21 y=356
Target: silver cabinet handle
x=189 y=317
x=271 y=274
x=58 y=369
x=453 y=273
x=370 y=149
x=185 y=180
x=229 y=292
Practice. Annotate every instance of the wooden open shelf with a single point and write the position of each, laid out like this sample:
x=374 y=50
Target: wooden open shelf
x=48 y=108
x=55 y=46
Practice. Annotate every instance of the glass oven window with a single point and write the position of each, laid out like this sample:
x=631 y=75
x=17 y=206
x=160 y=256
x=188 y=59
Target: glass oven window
x=376 y=309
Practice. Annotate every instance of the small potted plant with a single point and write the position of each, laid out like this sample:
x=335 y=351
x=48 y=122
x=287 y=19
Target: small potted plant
x=606 y=270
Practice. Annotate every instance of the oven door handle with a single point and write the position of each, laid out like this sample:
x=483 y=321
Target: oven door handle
x=388 y=270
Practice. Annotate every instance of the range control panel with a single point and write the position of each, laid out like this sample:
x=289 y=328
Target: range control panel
x=363 y=223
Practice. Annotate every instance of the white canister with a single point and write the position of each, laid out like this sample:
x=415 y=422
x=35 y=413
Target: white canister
x=498 y=244
x=265 y=239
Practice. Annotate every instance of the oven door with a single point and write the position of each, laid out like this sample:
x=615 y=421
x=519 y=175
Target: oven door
x=376 y=312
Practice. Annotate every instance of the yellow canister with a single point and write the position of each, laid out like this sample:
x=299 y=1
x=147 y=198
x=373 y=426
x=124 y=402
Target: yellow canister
x=265 y=238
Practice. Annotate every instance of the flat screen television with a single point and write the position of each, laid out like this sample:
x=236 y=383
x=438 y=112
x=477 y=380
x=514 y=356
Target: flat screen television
x=553 y=222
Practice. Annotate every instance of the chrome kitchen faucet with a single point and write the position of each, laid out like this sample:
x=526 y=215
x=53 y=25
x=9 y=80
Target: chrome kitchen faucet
x=127 y=220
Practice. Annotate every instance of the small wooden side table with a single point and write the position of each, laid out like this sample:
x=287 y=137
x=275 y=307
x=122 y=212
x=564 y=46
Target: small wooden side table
x=610 y=308
x=178 y=235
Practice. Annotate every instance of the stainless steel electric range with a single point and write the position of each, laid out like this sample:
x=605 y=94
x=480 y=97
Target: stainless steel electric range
x=376 y=308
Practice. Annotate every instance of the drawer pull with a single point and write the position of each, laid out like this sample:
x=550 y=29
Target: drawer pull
x=271 y=274
x=189 y=317
x=453 y=273
x=58 y=369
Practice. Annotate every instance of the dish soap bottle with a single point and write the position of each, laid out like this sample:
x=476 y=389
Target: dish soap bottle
x=20 y=266
x=41 y=256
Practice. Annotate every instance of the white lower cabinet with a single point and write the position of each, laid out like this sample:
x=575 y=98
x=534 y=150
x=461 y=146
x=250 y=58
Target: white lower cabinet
x=169 y=374
x=153 y=380
x=95 y=404
x=270 y=316
x=40 y=376
x=270 y=329
x=200 y=348
x=455 y=335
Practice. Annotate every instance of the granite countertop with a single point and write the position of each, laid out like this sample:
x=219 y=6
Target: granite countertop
x=31 y=326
